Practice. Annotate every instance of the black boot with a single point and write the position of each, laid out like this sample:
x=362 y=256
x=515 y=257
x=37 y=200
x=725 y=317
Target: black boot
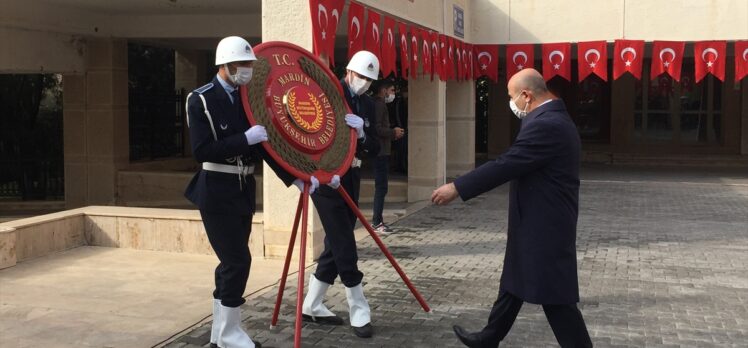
x=469 y=339
x=364 y=332
x=333 y=320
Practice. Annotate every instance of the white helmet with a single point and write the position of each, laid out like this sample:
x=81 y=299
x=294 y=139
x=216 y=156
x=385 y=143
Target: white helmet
x=234 y=49
x=365 y=63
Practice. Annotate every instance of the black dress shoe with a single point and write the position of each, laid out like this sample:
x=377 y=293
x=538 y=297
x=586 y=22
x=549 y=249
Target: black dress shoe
x=469 y=339
x=257 y=345
x=333 y=320
x=213 y=345
x=364 y=332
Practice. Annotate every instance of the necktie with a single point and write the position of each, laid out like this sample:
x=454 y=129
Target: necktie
x=235 y=95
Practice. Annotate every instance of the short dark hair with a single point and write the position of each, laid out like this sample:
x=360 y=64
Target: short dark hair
x=379 y=85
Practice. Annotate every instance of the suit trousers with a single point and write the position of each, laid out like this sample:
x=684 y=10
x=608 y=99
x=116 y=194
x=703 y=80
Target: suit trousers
x=340 y=256
x=566 y=322
x=228 y=235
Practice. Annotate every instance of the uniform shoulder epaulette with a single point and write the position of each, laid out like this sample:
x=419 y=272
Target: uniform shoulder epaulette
x=204 y=88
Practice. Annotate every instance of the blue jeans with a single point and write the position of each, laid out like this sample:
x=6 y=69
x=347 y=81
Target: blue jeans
x=381 y=168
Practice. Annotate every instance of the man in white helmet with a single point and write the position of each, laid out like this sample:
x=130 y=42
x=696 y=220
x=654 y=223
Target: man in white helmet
x=340 y=257
x=224 y=189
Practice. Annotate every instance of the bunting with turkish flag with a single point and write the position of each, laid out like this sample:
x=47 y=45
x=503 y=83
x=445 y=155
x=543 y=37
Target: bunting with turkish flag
x=444 y=57
x=355 y=30
x=629 y=55
x=518 y=57
x=592 y=58
x=709 y=57
x=471 y=62
x=404 y=55
x=325 y=25
x=451 y=57
x=436 y=61
x=487 y=61
x=557 y=60
x=425 y=51
x=414 y=49
x=373 y=41
x=667 y=57
x=460 y=66
x=387 y=65
x=741 y=60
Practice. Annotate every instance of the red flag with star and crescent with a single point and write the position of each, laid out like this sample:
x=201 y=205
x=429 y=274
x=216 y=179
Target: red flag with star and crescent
x=557 y=60
x=470 y=62
x=444 y=57
x=356 y=30
x=628 y=57
x=325 y=19
x=487 y=61
x=741 y=60
x=460 y=66
x=414 y=49
x=667 y=57
x=451 y=57
x=709 y=57
x=373 y=41
x=387 y=65
x=518 y=57
x=436 y=61
x=404 y=55
x=425 y=51
x=592 y=58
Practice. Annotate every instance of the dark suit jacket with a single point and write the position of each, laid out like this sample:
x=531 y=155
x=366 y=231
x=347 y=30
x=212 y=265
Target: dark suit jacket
x=540 y=264
x=215 y=191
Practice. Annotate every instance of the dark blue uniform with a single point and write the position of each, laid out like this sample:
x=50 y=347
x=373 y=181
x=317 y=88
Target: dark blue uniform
x=226 y=200
x=340 y=256
x=540 y=264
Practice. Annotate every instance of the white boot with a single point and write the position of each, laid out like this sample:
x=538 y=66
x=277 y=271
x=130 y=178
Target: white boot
x=230 y=332
x=216 y=321
x=313 y=309
x=360 y=311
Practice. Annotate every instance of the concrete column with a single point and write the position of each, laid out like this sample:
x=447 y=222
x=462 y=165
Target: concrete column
x=96 y=128
x=279 y=202
x=427 y=167
x=460 y=127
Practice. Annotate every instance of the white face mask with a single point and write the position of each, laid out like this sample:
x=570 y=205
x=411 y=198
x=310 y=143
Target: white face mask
x=242 y=76
x=389 y=98
x=517 y=112
x=359 y=85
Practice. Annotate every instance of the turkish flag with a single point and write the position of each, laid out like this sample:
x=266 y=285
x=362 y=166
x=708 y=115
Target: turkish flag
x=426 y=51
x=667 y=57
x=451 y=57
x=355 y=29
x=414 y=49
x=487 y=61
x=387 y=65
x=404 y=56
x=592 y=58
x=465 y=62
x=629 y=55
x=373 y=41
x=458 y=54
x=741 y=60
x=518 y=57
x=325 y=19
x=557 y=60
x=444 y=57
x=436 y=61
x=709 y=57
x=471 y=62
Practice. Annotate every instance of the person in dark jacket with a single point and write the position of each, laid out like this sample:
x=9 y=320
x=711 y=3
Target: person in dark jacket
x=384 y=93
x=540 y=264
x=340 y=257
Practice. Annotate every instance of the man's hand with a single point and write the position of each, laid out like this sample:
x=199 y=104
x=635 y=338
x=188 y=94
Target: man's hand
x=256 y=134
x=444 y=194
x=300 y=184
x=356 y=123
x=399 y=132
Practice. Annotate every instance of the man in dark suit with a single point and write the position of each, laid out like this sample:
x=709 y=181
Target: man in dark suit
x=540 y=264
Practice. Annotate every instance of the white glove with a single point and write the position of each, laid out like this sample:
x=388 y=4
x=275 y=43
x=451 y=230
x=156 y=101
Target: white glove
x=256 y=134
x=357 y=123
x=300 y=184
x=334 y=182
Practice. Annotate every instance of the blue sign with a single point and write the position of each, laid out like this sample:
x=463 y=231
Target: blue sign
x=458 y=16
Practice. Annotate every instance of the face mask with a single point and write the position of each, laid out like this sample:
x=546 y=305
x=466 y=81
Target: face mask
x=517 y=112
x=390 y=98
x=242 y=77
x=359 y=85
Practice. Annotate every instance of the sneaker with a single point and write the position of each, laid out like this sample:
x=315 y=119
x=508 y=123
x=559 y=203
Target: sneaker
x=382 y=229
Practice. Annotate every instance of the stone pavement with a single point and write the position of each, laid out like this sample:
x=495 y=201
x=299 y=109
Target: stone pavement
x=663 y=262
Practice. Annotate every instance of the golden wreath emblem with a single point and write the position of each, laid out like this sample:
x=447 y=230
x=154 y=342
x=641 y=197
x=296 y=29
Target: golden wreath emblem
x=307 y=114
